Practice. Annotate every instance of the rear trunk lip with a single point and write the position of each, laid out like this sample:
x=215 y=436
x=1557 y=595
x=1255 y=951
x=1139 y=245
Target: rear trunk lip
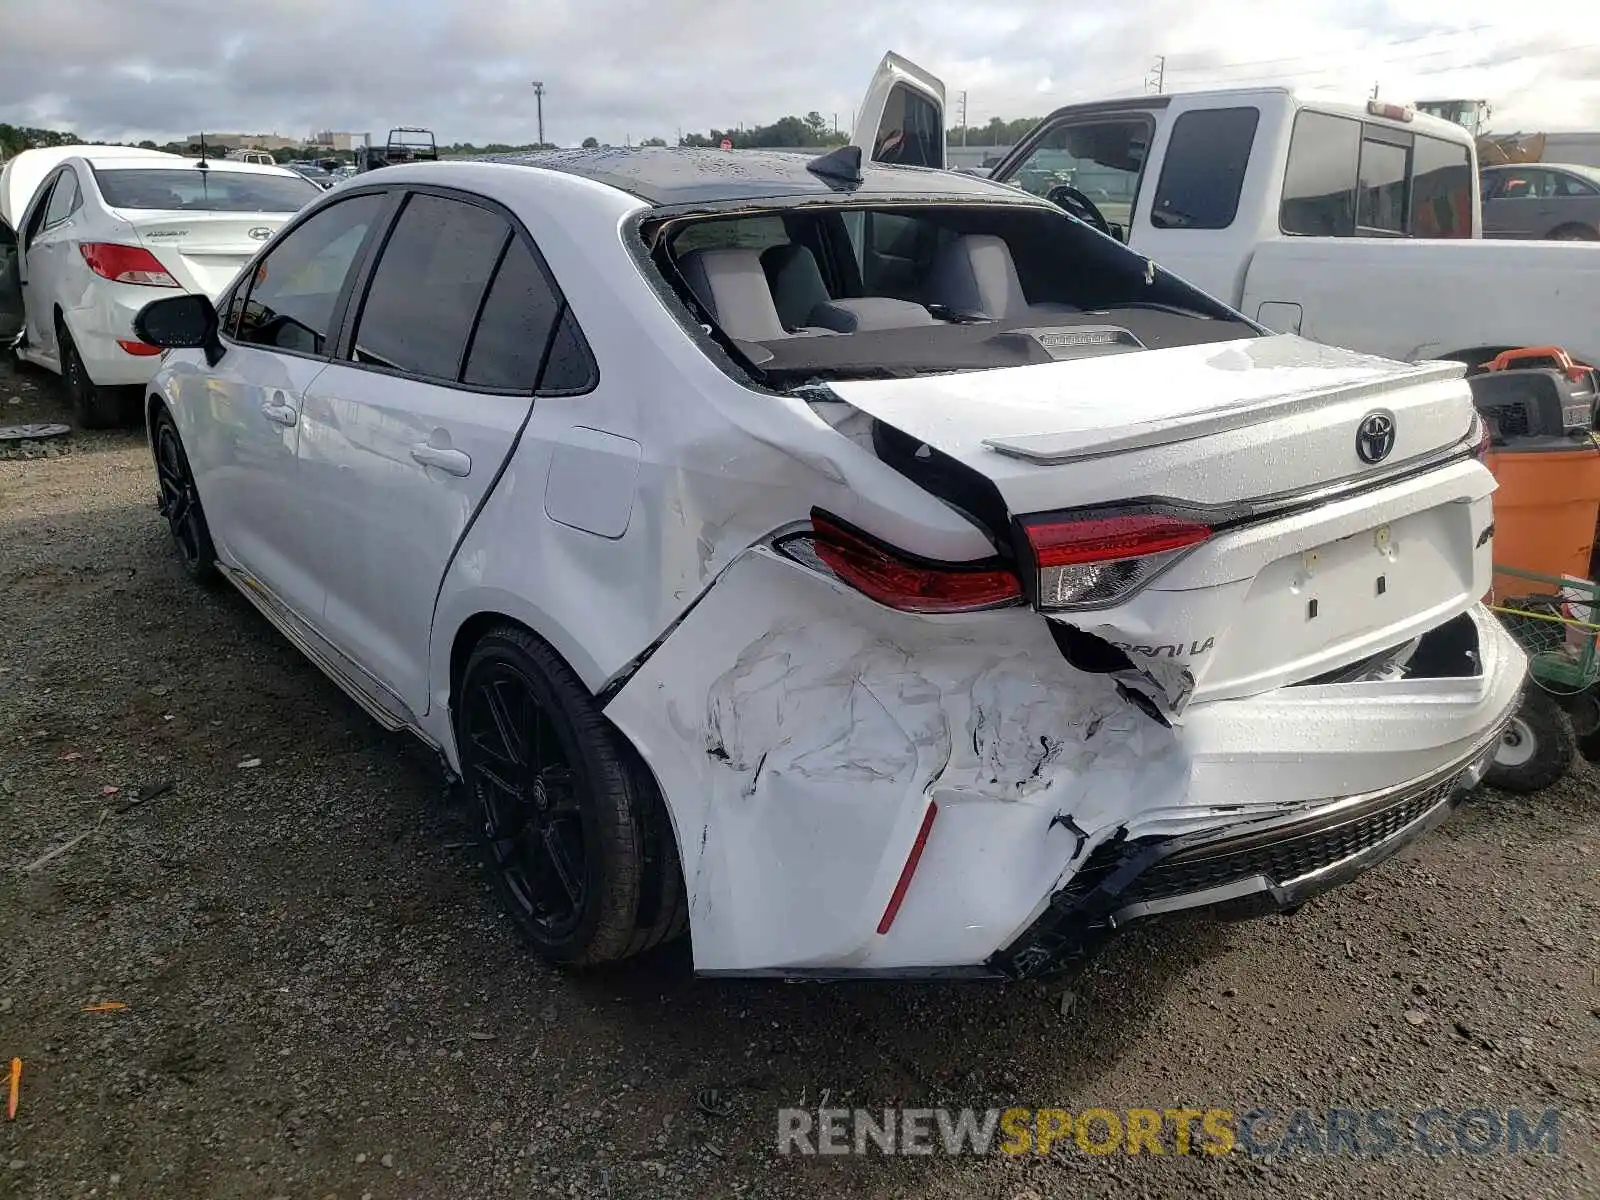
x=1191 y=426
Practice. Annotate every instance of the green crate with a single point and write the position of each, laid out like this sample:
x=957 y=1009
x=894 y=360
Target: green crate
x=1563 y=655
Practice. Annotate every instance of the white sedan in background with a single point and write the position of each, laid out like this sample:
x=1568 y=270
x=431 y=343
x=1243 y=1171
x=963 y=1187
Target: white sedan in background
x=90 y=234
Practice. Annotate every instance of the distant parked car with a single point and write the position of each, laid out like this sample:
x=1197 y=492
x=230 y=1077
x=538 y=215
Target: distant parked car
x=1541 y=200
x=90 y=234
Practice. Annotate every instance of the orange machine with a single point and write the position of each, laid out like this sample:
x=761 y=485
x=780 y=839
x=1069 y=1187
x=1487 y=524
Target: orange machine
x=1546 y=459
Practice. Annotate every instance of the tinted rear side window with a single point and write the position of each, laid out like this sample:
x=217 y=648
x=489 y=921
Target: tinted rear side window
x=1441 y=189
x=428 y=285
x=514 y=331
x=1319 y=186
x=570 y=366
x=1203 y=172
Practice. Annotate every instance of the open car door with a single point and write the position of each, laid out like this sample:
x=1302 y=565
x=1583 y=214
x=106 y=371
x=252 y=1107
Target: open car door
x=901 y=119
x=11 y=317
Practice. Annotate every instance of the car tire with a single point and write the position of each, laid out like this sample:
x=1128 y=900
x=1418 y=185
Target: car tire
x=179 y=501
x=1574 y=233
x=95 y=407
x=1537 y=748
x=574 y=831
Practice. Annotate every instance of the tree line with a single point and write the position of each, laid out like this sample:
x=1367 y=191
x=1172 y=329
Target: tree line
x=813 y=129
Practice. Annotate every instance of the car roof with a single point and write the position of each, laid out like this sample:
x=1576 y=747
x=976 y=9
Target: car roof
x=666 y=176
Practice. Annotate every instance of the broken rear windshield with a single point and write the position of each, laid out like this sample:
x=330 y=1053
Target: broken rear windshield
x=836 y=291
x=208 y=189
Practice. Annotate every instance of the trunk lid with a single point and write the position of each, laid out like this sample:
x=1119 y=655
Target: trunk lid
x=1332 y=538
x=203 y=251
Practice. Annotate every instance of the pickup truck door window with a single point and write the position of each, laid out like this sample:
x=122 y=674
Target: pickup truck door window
x=1202 y=171
x=1102 y=158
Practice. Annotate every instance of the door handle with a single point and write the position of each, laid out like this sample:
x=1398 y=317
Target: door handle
x=281 y=414
x=451 y=462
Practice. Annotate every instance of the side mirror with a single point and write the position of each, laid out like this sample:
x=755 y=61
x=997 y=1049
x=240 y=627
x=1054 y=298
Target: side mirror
x=180 y=323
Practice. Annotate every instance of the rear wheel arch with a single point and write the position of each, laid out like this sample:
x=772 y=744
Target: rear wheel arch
x=474 y=628
x=662 y=910
x=1574 y=231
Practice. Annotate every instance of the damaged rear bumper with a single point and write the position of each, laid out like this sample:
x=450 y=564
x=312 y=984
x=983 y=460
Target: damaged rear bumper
x=803 y=737
x=1253 y=869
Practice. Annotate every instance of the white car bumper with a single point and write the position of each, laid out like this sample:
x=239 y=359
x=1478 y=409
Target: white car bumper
x=807 y=740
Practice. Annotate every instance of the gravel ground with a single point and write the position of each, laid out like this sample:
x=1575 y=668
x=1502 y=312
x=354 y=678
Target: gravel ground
x=323 y=1000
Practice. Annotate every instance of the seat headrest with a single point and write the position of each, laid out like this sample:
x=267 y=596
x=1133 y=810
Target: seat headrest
x=732 y=286
x=796 y=282
x=975 y=274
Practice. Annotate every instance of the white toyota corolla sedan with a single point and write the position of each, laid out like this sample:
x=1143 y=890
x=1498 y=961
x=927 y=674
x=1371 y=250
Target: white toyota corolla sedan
x=97 y=232
x=870 y=567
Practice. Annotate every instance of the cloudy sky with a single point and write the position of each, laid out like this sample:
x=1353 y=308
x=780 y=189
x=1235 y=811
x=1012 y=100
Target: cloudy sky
x=614 y=69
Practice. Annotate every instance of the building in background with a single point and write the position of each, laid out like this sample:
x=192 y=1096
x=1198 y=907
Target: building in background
x=330 y=139
x=242 y=141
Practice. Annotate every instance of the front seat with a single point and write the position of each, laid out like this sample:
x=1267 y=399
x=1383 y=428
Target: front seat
x=974 y=274
x=733 y=288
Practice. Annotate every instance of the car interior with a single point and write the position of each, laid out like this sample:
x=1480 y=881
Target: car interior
x=903 y=289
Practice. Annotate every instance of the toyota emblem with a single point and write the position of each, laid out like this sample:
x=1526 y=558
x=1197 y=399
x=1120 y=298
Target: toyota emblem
x=261 y=233
x=1375 y=437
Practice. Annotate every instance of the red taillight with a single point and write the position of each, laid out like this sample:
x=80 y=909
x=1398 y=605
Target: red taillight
x=1099 y=560
x=906 y=872
x=138 y=349
x=895 y=580
x=125 y=264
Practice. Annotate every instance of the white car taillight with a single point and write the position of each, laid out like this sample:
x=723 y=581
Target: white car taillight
x=125 y=264
x=896 y=579
x=1095 y=561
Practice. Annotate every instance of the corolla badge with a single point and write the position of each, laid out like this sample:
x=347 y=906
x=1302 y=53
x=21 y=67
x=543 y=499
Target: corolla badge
x=261 y=233
x=1375 y=437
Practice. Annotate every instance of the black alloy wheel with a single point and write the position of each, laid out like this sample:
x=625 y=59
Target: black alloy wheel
x=574 y=832
x=179 y=503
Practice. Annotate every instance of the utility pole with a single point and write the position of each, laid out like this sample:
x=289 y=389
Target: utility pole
x=963 y=118
x=1157 y=77
x=538 y=95
x=1374 y=91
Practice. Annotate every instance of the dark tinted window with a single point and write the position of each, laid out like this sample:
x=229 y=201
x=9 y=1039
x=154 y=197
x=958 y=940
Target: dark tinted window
x=1319 y=186
x=210 y=189
x=1382 y=202
x=293 y=290
x=570 y=367
x=514 y=330
x=1203 y=171
x=428 y=285
x=911 y=132
x=65 y=200
x=1441 y=189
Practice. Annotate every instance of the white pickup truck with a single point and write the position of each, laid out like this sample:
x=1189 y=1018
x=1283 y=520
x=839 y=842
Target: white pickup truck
x=1354 y=224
